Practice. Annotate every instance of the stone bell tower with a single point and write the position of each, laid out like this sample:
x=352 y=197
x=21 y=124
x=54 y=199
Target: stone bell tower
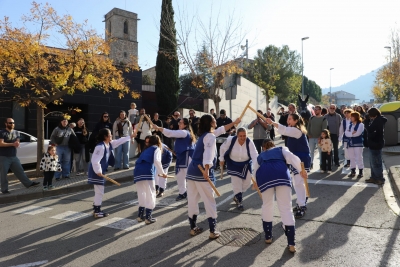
x=121 y=26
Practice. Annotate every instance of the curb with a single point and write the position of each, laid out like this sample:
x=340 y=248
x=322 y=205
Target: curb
x=63 y=190
x=393 y=173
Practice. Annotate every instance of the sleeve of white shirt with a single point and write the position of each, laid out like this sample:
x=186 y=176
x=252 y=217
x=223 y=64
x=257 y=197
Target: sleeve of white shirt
x=289 y=131
x=120 y=141
x=209 y=142
x=224 y=147
x=174 y=133
x=253 y=153
x=157 y=161
x=256 y=166
x=220 y=130
x=359 y=131
x=341 y=132
x=97 y=155
x=291 y=158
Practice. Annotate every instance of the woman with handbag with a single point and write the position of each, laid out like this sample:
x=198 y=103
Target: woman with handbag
x=60 y=138
x=81 y=134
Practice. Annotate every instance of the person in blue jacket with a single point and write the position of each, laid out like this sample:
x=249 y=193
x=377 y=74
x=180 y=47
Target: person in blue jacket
x=273 y=177
x=143 y=176
x=103 y=156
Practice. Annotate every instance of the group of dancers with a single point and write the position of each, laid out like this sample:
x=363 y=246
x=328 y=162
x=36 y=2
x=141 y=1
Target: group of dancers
x=271 y=169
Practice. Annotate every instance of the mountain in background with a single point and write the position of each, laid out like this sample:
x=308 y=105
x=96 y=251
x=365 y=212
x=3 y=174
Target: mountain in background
x=360 y=87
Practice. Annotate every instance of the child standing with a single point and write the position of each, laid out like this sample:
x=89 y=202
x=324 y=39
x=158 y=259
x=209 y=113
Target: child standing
x=133 y=113
x=49 y=165
x=326 y=146
x=355 y=144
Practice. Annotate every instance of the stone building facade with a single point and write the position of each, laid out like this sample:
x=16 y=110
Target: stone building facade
x=121 y=26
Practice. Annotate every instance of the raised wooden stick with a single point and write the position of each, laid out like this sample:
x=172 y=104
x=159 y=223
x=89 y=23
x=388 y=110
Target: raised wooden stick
x=110 y=180
x=208 y=180
x=244 y=110
x=256 y=186
x=258 y=114
x=305 y=181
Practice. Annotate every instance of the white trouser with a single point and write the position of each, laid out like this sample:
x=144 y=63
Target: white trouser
x=195 y=190
x=356 y=157
x=346 y=154
x=161 y=182
x=240 y=185
x=181 y=178
x=98 y=194
x=284 y=200
x=300 y=189
x=146 y=194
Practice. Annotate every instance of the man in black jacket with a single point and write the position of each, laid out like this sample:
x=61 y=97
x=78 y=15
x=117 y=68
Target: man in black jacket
x=375 y=125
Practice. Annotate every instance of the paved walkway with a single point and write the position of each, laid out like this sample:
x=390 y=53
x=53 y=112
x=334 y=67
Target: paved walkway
x=79 y=183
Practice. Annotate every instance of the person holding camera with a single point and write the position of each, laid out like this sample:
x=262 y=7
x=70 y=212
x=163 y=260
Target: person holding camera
x=122 y=127
x=260 y=131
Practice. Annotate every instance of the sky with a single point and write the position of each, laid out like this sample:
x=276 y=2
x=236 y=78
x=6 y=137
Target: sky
x=347 y=35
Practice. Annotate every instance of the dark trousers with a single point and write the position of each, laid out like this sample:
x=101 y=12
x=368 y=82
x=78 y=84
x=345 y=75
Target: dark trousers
x=218 y=147
x=335 y=143
x=142 y=143
x=48 y=178
x=258 y=144
x=272 y=134
x=326 y=161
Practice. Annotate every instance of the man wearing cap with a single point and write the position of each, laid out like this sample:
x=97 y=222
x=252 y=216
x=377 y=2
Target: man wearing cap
x=221 y=121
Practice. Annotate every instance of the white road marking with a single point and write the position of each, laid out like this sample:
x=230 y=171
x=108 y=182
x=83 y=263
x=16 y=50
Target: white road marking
x=165 y=229
x=71 y=216
x=32 y=210
x=31 y=264
x=346 y=170
x=119 y=223
x=342 y=183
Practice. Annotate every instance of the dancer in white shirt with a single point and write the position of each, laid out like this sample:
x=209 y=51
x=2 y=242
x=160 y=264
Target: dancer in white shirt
x=240 y=153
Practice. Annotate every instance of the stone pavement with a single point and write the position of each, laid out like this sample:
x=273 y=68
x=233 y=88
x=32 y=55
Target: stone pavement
x=18 y=192
x=391 y=159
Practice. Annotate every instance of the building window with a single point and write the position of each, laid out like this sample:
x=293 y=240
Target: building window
x=125 y=27
x=125 y=55
x=18 y=114
x=109 y=28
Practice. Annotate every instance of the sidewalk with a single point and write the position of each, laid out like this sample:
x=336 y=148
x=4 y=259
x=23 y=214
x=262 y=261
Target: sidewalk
x=18 y=192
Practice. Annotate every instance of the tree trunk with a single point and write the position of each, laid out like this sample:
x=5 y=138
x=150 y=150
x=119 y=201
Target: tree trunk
x=40 y=137
x=216 y=103
x=266 y=101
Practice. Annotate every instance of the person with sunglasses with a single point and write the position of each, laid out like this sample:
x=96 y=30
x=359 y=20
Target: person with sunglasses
x=104 y=123
x=9 y=142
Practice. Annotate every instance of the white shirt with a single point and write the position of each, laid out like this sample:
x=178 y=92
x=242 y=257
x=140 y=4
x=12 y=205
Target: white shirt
x=175 y=133
x=360 y=130
x=210 y=150
x=145 y=129
x=157 y=161
x=220 y=130
x=290 y=159
x=99 y=152
x=238 y=152
x=341 y=131
x=289 y=131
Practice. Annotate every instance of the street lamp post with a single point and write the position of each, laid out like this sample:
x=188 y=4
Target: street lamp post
x=302 y=67
x=330 y=86
x=390 y=55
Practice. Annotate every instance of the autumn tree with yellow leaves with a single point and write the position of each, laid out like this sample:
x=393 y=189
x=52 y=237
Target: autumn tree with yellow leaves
x=33 y=73
x=387 y=81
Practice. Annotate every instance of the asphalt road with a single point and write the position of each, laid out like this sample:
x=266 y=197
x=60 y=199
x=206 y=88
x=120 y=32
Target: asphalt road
x=347 y=224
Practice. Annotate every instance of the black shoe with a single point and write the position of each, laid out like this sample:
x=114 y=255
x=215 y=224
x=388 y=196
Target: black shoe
x=300 y=212
x=379 y=182
x=116 y=169
x=33 y=184
x=371 y=180
x=58 y=179
x=311 y=166
x=240 y=207
x=180 y=197
x=66 y=177
x=6 y=192
x=126 y=168
x=347 y=165
x=337 y=164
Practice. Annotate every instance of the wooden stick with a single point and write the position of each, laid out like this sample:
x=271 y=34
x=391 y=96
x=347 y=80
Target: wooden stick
x=222 y=171
x=138 y=125
x=110 y=180
x=305 y=181
x=244 y=110
x=149 y=120
x=256 y=186
x=258 y=114
x=168 y=176
x=208 y=180
x=173 y=152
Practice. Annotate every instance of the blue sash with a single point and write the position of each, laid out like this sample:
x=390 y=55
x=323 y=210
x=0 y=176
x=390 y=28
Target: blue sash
x=238 y=169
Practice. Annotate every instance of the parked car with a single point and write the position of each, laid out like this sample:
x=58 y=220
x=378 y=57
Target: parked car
x=28 y=148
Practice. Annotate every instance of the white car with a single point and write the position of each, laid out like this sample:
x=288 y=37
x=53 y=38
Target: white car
x=28 y=148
